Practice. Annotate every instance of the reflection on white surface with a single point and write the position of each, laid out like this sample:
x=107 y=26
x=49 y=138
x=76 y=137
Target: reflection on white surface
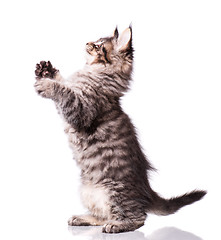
x=172 y=233
x=95 y=233
x=167 y=233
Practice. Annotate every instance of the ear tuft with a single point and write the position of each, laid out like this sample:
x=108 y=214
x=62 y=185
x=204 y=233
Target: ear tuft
x=116 y=34
x=124 y=39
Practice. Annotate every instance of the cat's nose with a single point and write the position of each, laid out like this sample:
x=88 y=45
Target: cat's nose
x=89 y=46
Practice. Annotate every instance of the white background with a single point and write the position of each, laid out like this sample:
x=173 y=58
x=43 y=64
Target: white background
x=175 y=103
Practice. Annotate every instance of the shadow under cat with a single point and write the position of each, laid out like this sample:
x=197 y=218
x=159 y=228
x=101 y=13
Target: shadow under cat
x=167 y=233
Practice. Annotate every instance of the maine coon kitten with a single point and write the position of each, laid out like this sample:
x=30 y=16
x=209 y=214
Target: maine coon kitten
x=114 y=170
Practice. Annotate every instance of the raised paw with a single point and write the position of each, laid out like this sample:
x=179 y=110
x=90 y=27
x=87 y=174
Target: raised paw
x=45 y=70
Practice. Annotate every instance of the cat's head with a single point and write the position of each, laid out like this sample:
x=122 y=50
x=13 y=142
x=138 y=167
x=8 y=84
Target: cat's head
x=116 y=49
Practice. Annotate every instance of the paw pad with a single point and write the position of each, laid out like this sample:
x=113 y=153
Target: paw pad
x=45 y=70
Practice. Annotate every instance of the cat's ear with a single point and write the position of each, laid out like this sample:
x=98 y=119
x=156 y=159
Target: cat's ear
x=125 y=38
x=116 y=34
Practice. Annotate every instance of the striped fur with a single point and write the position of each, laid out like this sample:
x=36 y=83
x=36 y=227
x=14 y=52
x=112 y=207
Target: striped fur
x=114 y=170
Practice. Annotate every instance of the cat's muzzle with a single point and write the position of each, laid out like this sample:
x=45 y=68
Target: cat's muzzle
x=89 y=47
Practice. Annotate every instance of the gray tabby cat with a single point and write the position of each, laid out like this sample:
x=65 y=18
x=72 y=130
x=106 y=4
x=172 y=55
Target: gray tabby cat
x=114 y=170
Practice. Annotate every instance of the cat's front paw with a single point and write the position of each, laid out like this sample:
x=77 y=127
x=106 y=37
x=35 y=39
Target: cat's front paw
x=45 y=70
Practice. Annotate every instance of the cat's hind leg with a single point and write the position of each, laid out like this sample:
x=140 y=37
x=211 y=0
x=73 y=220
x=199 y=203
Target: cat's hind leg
x=121 y=226
x=85 y=220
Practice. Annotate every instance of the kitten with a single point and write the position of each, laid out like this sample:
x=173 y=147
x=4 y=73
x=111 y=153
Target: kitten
x=114 y=170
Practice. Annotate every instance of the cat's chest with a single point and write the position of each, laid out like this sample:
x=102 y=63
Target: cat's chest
x=80 y=147
x=76 y=142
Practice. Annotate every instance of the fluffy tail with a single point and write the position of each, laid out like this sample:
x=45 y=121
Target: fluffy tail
x=163 y=206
